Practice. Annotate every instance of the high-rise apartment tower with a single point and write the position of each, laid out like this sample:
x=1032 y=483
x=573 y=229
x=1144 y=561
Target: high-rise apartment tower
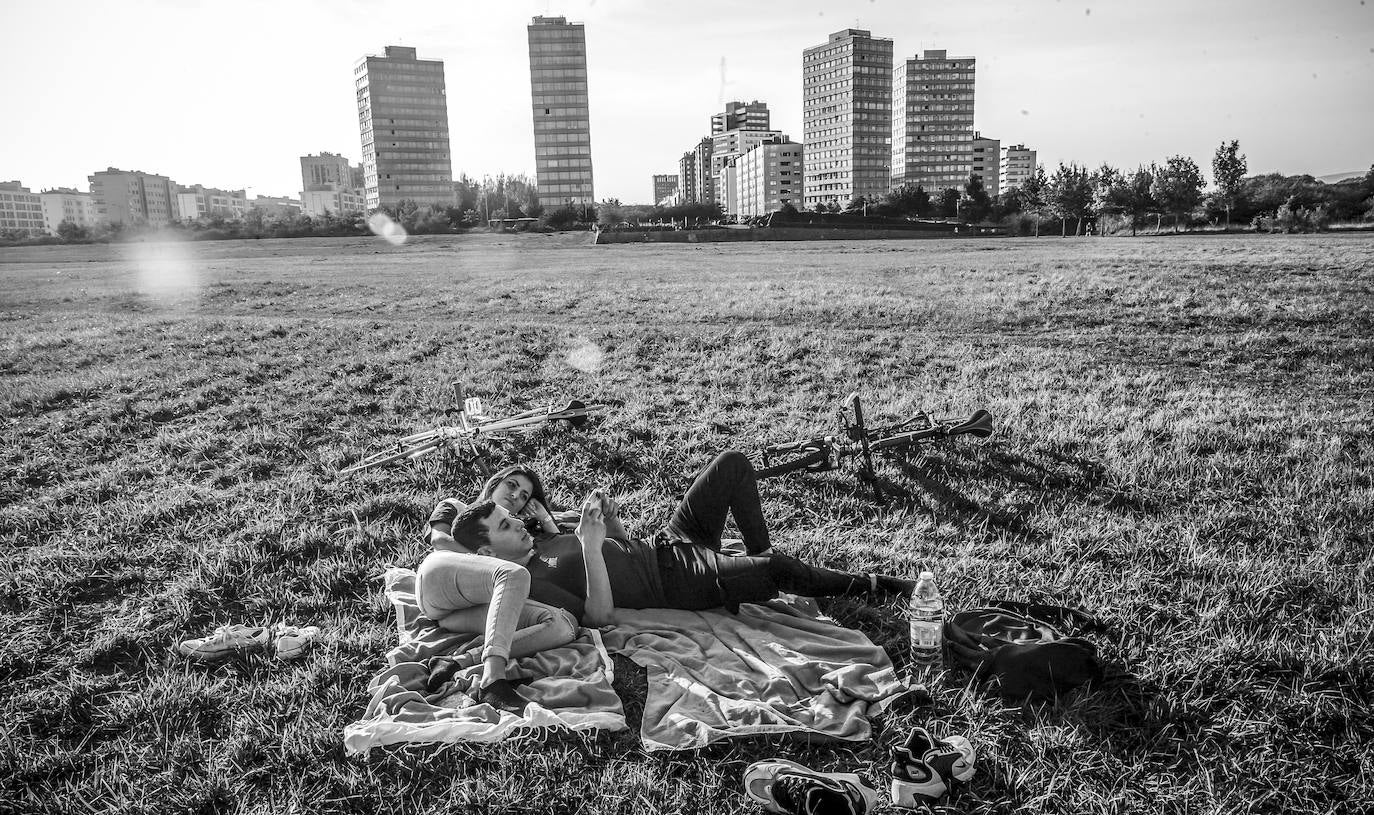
x=847 y=116
x=562 y=122
x=741 y=116
x=932 y=121
x=403 y=118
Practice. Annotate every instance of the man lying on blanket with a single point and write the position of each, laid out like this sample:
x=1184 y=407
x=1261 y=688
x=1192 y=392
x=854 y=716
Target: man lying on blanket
x=484 y=555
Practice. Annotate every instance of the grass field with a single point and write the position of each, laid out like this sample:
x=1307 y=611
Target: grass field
x=1184 y=449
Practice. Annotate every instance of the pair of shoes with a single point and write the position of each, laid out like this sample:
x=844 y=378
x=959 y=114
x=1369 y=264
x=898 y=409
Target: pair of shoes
x=290 y=641
x=789 y=788
x=924 y=769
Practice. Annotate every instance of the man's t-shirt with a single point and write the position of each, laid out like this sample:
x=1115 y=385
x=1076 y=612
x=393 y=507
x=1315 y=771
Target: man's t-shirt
x=558 y=575
x=631 y=566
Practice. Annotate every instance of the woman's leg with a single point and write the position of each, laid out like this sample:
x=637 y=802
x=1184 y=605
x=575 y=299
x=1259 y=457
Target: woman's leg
x=726 y=486
x=539 y=628
x=449 y=582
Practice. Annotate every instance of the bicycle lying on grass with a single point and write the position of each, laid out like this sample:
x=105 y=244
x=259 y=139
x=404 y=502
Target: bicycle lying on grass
x=855 y=439
x=464 y=440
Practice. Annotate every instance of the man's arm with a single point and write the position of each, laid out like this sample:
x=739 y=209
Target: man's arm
x=591 y=531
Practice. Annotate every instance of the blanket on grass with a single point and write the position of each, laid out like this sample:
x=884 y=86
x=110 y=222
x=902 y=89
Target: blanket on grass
x=569 y=687
x=772 y=668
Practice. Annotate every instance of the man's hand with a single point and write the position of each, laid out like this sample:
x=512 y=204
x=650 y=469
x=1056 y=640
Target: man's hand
x=610 y=512
x=591 y=531
x=591 y=527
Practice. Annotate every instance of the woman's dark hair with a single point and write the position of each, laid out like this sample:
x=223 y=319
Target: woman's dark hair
x=537 y=484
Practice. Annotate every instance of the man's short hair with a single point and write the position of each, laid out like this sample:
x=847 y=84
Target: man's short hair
x=468 y=528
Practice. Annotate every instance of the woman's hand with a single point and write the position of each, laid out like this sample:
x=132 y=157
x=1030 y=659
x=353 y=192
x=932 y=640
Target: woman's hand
x=537 y=511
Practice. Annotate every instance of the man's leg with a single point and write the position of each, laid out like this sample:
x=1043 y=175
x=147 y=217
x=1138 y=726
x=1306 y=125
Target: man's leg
x=696 y=577
x=725 y=486
x=757 y=579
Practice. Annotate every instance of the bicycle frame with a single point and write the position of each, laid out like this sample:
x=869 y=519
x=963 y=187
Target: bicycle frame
x=824 y=453
x=472 y=425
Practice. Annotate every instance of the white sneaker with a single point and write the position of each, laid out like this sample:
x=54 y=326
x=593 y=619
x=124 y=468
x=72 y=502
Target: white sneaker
x=226 y=640
x=293 y=642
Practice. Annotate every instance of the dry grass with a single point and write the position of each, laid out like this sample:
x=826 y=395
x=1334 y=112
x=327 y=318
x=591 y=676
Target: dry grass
x=1183 y=448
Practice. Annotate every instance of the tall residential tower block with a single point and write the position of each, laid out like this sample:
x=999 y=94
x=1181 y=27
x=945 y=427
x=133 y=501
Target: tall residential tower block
x=932 y=121
x=847 y=116
x=562 y=120
x=403 y=119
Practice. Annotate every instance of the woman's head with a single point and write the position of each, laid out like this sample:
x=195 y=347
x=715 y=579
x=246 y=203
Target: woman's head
x=513 y=488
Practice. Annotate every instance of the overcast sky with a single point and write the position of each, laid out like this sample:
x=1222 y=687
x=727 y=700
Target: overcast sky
x=231 y=94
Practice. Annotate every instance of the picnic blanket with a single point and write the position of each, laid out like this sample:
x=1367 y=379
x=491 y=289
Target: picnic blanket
x=570 y=687
x=772 y=668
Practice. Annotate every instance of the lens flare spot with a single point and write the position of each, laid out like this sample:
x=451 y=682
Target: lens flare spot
x=585 y=356
x=166 y=271
x=388 y=230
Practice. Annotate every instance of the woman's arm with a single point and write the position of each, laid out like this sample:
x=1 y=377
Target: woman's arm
x=591 y=531
x=536 y=510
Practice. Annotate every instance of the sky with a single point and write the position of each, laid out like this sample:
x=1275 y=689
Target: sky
x=231 y=94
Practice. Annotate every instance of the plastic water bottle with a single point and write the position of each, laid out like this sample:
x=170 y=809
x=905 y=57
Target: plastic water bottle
x=927 y=624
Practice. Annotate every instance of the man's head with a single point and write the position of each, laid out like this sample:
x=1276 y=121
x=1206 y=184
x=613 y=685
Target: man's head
x=490 y=529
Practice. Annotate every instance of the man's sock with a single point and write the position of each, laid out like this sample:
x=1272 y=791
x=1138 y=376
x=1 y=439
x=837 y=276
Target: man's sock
x=890 y=584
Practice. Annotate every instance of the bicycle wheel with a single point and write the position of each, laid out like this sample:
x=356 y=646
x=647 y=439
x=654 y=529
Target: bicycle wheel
x=812 y=459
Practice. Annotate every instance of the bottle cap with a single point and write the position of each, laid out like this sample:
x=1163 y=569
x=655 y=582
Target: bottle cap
x=927 y=575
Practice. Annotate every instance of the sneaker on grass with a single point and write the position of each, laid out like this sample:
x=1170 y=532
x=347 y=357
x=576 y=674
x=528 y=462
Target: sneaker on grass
x=789 y=788
x=924 y=769
x=225 y=641
x=293 y=642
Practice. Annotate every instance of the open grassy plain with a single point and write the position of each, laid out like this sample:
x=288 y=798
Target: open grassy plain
x=1184 y=449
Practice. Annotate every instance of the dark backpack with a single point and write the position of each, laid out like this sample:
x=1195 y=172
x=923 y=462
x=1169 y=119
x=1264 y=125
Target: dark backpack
x=1025 y=650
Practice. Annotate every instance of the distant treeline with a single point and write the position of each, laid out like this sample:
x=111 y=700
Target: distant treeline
x=1072 y=199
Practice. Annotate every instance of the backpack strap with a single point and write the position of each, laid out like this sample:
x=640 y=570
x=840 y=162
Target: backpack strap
x=1069 y=619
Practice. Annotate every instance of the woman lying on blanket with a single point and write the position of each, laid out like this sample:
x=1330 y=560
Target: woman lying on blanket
x=600 y=572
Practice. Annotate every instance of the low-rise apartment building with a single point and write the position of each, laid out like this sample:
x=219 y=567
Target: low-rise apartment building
x=1018 y=164
x=987 y=159
x=769 y=176
x=20 y=209
x=66 y=204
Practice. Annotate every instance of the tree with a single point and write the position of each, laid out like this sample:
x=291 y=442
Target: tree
x=1131 y=196
x=1070 y=195
x=1030 y=196
x=856 y=204
x=1228 y=168
x=1178 y=187
x=975 y=204
x=819 y=208
x=69 y=230
x=947 y=205
x=909 y=199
